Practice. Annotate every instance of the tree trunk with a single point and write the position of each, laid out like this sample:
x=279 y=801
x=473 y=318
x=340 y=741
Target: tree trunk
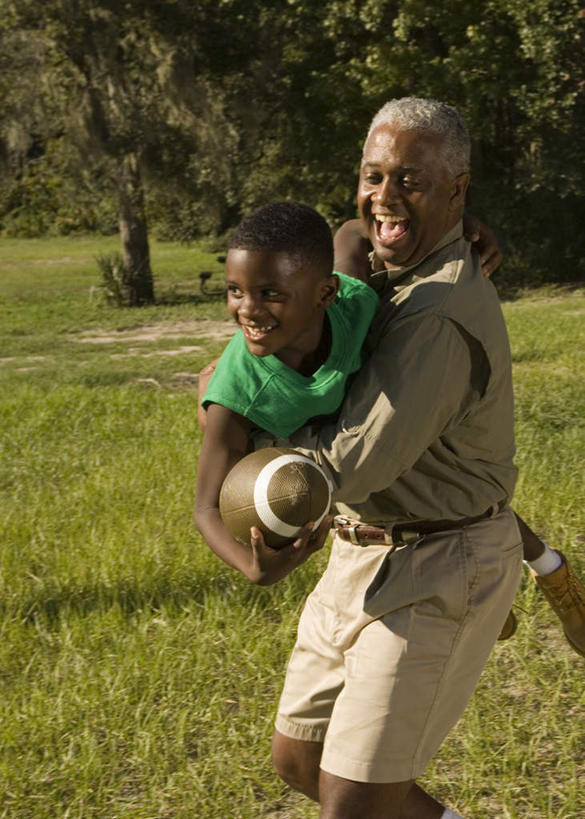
x=134 y=234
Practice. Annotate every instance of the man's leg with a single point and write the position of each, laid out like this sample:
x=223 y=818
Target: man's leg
x=351 y=682
x=297 y=762
x=345 y=799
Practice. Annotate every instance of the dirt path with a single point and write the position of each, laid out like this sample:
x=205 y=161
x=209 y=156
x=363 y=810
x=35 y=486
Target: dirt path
x=204 y=329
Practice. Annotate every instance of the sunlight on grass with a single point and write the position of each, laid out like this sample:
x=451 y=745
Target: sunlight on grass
x=139 y=676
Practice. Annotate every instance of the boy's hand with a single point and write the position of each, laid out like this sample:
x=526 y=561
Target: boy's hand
x=204 y=377
x=486 y=243
x=271 y=565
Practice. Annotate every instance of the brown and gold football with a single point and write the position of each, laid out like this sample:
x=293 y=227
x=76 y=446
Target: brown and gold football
x=276 y=489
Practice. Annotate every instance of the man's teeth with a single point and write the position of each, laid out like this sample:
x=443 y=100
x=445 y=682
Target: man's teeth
x=381 y=217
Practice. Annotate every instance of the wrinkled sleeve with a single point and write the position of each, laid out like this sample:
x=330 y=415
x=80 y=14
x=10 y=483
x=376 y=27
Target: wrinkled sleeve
x=415 y=386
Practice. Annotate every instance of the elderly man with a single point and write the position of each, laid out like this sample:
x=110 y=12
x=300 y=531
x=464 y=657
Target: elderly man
x=427 y=554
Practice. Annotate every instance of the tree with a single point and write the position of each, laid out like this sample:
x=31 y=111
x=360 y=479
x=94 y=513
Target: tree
x=195 y=112
x=127 y=96
x=516 y=72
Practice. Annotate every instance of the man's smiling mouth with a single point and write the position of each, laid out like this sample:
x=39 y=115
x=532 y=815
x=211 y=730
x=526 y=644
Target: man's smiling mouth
x=390 y=228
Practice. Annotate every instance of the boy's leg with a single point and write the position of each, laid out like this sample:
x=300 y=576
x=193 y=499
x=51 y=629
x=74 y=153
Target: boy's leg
x=536 y=550
x=560 y=585
x=509 y=627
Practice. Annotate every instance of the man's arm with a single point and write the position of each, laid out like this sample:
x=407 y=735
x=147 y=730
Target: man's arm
x=224 y=443
x=415 y=385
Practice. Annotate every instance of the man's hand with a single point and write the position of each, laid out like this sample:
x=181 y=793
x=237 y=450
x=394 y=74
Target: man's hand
x=204 y=377
x=486 y=243
x=271 y=565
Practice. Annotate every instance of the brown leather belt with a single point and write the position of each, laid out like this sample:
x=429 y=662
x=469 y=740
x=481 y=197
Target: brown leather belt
x=402 y=534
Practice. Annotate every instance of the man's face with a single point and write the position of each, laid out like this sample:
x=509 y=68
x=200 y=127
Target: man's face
x=407 y=198
x=278 y=305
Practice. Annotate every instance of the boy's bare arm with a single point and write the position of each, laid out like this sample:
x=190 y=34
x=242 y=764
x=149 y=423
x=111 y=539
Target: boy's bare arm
x=485 y=242
x=204 y=378
x=351 y=248
x=224 y=443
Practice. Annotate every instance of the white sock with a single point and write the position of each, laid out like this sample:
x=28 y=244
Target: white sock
x=450 y=814
x=548 y=562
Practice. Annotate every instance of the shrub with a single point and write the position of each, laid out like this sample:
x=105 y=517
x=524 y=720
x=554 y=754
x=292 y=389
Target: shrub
x=115 y=279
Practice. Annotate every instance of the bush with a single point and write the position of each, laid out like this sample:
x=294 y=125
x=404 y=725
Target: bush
x=116 y=280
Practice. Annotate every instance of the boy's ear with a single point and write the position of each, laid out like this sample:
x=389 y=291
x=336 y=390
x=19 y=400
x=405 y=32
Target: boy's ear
x=329 y=288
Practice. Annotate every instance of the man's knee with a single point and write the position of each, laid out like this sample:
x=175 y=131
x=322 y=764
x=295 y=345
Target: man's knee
x=297 y=763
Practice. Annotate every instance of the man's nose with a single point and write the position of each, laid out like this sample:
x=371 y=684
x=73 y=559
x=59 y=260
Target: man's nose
x=387 y=191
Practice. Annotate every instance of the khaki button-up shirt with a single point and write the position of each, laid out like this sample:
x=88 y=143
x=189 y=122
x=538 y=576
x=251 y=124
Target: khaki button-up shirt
x=426 y=430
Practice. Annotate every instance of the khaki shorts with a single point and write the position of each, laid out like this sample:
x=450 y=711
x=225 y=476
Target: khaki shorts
x=391 y=646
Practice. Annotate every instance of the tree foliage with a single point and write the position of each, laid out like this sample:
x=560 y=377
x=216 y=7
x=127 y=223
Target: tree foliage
x=194 y=112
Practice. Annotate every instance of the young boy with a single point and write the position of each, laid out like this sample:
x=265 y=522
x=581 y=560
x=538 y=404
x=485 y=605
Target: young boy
x=301 y=329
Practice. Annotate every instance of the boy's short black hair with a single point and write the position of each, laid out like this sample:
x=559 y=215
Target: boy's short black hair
x=287 y=227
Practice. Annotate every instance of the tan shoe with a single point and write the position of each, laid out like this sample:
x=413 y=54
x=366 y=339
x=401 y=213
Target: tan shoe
x=509 y=627
x=566 y=595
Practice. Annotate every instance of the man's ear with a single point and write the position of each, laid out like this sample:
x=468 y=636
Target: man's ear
x=458 y=191
x=329 y=288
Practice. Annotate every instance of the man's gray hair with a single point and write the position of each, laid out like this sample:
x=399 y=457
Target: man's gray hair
x=433 y=117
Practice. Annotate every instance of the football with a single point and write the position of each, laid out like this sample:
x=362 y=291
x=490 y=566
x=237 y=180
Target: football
x=276 y=489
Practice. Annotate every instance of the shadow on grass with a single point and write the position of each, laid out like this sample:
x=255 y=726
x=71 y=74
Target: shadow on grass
x=131 y=597
x=175 y=298
x=542 y=290
x=172 y=299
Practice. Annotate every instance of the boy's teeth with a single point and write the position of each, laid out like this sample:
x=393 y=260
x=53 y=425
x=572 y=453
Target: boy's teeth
x=257 y=331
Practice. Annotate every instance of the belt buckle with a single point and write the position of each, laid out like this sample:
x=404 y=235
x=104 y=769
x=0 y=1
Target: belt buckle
x=350 y=525
x=407 y=537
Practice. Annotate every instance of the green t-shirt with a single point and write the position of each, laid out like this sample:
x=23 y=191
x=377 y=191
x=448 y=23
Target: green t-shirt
x=275 y=397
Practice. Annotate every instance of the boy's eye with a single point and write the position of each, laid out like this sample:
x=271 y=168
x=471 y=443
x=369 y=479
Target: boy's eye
x=270 y=294
x=233 y=290
x=372 y=178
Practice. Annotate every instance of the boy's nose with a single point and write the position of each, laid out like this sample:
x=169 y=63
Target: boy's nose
x=249 y=307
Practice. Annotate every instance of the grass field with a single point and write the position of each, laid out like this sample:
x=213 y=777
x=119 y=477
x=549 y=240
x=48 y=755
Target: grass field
x=138 y=675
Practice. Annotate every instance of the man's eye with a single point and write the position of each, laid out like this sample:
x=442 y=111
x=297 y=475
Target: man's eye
x=270 y=294
x=372 y=178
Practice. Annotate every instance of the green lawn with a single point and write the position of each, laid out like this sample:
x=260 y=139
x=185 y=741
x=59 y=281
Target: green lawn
x=139 y=675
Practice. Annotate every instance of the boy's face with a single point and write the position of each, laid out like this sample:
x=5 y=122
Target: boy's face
x=278 y=303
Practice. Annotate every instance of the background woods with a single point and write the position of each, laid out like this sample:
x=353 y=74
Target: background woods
x=178 y=117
